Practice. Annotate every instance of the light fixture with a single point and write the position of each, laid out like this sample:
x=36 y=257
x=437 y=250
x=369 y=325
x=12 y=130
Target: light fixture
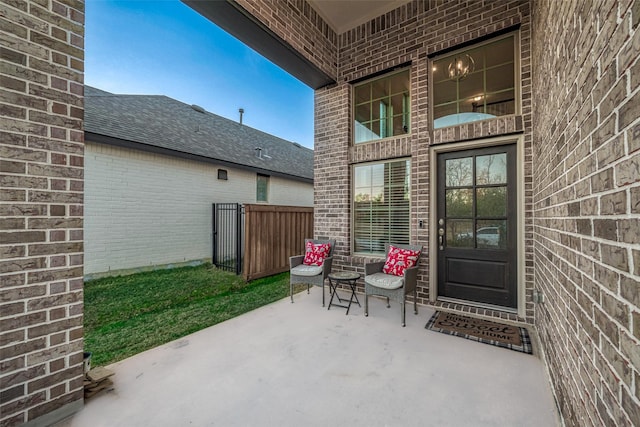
x=460 y=67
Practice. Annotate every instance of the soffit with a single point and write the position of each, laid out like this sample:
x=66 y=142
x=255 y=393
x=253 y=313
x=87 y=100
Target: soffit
x=344 y=15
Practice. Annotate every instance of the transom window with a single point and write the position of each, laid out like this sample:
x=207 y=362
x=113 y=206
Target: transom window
x=477 y=83
x=381 y=205
x=381 y=107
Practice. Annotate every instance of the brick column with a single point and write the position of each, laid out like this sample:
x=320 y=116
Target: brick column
x=41 y=210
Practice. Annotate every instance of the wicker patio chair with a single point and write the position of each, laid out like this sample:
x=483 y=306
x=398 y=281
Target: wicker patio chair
x=310 y=274
x=386 y=285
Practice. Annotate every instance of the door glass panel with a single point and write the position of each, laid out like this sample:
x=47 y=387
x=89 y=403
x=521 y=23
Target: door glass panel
x=491 y=234
x=491 y=202
x=491 y=169
x=459 y=172
x=460 y=233
x=459 y=203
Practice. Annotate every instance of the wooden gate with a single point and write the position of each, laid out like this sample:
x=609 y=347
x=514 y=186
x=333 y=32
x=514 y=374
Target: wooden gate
x=272 y=234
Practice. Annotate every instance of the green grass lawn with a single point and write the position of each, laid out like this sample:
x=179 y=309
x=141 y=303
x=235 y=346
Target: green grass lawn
x=126 y=315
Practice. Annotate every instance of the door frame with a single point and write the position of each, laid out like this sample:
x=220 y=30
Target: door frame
x=518 y=140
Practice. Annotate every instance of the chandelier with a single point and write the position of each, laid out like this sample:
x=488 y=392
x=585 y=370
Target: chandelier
x=460 y=67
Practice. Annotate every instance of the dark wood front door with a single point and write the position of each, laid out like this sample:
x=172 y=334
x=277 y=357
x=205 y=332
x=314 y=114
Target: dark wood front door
x=477 y=225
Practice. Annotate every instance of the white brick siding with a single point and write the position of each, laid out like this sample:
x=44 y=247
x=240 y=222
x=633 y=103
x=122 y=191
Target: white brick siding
x=144 y=209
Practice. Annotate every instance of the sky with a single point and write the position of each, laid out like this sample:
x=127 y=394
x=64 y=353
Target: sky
x=163 y=47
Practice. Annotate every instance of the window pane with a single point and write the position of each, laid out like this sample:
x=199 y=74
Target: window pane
x=364 y=133
x=382 y=107
x=491 y=202
x=460 y=233
x=500 y=52
x=380 y=89
x=444 y=91
x=459 y=172
x=400 y=83
x=444 y=112
x=500 y=78
x=491 y=169
x=381 y=205
x=492 y=234
x=473 y=96
x=363 y=113
x=459 y=203
x=472 y=85
x=362 y=93
x=262 y=190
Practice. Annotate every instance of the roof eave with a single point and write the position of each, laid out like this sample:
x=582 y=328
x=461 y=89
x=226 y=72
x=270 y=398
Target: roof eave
x=118 y=142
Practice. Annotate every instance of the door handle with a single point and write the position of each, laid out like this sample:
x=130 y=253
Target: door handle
x=441 y=238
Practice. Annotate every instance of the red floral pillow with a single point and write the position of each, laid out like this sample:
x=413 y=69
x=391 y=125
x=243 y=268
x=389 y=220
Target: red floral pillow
x=316 y=253
x=399 y=260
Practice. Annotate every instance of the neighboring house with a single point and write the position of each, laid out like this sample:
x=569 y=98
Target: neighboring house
x=503 y=137
x=153 y=168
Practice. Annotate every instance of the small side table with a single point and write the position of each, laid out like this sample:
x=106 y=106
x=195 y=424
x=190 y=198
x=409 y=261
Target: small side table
x=344 y=277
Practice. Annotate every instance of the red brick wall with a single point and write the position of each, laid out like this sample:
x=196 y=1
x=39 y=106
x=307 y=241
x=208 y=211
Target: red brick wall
x=586 y=179
x=41 y=208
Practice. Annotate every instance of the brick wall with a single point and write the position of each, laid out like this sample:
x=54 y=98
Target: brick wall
x=145 y=209
x=41 y=209
x=298 y=24
x=587 y=205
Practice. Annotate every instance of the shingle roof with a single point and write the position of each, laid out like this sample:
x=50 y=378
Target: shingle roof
x=162 y=122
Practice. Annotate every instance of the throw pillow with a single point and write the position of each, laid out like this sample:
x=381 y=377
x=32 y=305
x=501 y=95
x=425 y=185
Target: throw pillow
x=316 y=253
x=399 y=259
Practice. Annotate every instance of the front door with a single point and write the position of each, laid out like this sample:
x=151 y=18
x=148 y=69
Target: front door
x=477 y=225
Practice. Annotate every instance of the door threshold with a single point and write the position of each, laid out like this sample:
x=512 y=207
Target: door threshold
x=478 y=305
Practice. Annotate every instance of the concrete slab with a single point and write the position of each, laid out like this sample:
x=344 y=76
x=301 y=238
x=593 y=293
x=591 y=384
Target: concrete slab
x=303 y=365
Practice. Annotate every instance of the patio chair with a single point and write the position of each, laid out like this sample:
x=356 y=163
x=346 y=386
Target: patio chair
x=310 y=274
x=389 y=285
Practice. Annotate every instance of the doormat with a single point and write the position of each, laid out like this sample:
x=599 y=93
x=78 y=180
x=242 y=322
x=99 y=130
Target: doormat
x=507 y=336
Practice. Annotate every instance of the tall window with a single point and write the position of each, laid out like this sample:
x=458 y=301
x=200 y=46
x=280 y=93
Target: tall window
x=262 y=189
x=381 y=205
x=477 y=83
x=381 y=107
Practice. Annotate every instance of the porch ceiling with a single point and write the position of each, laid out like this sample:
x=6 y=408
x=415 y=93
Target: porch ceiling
x=343 y=15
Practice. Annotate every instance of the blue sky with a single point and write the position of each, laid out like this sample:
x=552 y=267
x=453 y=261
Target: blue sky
x=166 y=48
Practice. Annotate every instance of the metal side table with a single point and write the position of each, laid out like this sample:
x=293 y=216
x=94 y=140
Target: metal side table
x=343 y=277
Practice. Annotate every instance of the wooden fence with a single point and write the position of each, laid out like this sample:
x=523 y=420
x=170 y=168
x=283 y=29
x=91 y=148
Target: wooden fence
x=272 y=235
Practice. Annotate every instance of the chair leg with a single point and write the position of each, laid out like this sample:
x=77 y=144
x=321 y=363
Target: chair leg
x=415 y=297
x=323 y=293
x=403 y=313
x=291 y=291
x=388 y=305
x=366 y=305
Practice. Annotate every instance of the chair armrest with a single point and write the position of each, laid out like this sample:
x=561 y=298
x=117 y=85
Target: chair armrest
x=373 y=267
x=410 y=278
x=326 y=266
x=295 y=261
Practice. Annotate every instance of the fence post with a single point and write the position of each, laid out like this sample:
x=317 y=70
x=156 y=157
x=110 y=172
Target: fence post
x=239 y=241
x=214 y=234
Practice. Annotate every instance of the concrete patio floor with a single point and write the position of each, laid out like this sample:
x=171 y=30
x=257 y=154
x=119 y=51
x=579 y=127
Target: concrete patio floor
x=301 y=365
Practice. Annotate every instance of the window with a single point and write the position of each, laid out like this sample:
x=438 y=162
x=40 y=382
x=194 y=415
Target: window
x=262 y=188
x=381 y=107
x=381 y=205
x=475 y=84
x=222 y=174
